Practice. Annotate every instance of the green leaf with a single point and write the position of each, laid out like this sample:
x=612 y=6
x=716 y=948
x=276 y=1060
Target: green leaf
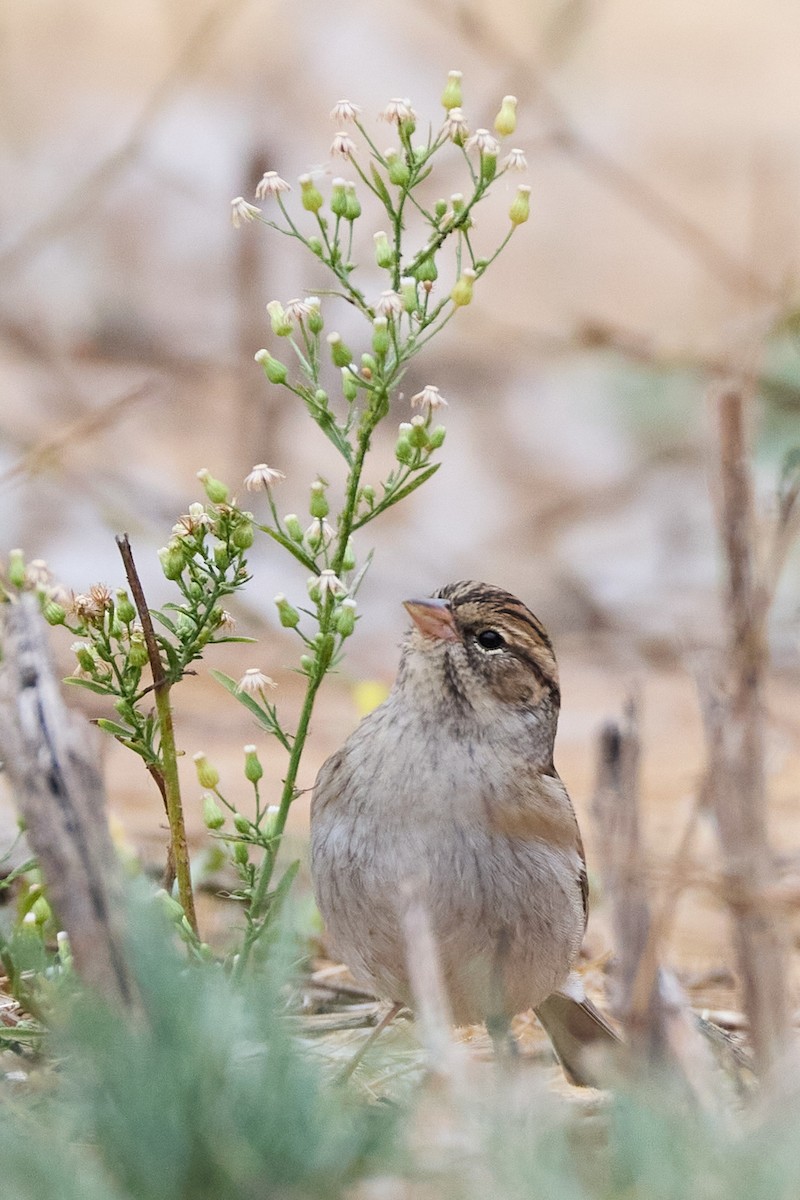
x=7 y=880
x=389 y=501
x=264 y=719
x=293 y=548
x=174 y=663
x=219 y=641
x=118 y=731
x=165 y=621
x=101 y=689
x=278 y=896
x=381 y=188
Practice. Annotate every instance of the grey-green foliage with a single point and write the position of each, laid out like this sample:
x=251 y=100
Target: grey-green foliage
x=204 y=1093
x=201 y=1094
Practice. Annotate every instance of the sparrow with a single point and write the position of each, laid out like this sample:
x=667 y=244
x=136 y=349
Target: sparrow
x=449 y=786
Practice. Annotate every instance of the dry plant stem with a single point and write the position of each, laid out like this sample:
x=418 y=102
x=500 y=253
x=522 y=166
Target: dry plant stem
x=649 y=1001
x=658 y=932
x=52 y=767
x=739 y=794
x=616 y=814
x=170 y=783
x=369 y=1041
x=474 y=23
x=431 y=1007
x=83 y=197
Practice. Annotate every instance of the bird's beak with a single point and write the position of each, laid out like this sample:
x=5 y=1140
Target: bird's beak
x=433 y=618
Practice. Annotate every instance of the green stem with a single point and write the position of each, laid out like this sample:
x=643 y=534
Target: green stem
x=264 y=875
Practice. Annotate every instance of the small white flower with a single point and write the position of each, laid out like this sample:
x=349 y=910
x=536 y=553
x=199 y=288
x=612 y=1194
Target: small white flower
x=343 y=145
x=226 y=621
x=390 y=304
x=242 y=211
x=398 y=110
x=271 y=184
x=345 y=110
x=515 y=160
x=262 y=477
x=430 y=396
x=484 y=142
x=329 y=583
x=299 y=310
x=254 y=681
x=455 y=125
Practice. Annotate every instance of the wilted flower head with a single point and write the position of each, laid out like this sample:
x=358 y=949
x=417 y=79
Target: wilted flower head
x=91 y=605
x=254 y=681
x=455 y=126
x=301 y=310
x=37 y=573
x=196 y=518
x=343 y=145
x=398 y=110
x=345 y=110
x=330 y=584
x=271 y=184
x=390 y=304
x=515 y=160
x=242 y=211
x=262 y=477
x=430 y=396
x=484 y=142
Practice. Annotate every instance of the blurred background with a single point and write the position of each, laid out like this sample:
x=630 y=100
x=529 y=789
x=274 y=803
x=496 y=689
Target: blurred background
x=660 y=260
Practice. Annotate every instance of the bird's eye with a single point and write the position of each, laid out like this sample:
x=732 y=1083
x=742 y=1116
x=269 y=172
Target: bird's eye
x=490 y=639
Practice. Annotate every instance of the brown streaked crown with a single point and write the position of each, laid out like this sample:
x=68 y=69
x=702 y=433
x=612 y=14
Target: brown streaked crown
x=504 y=641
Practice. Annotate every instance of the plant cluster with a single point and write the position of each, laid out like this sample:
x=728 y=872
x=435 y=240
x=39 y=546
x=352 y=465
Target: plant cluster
x=134 y=654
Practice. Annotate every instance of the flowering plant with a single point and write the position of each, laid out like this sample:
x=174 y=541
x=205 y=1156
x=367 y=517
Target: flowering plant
x=347 y=394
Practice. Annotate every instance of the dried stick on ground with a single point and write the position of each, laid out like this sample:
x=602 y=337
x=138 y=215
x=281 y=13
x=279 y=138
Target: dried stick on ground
x=431 y=1006
x=647 y=998
x=52 y=768
x=735 y=725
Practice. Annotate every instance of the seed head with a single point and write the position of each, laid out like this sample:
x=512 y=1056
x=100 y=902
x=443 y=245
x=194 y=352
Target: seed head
x=262 y=477
x=241 y=211
x=345 y=110
x=429 y=397
x=254 y=682
x=343 y=145
x=271 y=184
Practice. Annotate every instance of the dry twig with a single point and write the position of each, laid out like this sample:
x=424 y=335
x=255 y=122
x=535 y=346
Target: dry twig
x=734 y=720
x=647 y=999
x=53 y=772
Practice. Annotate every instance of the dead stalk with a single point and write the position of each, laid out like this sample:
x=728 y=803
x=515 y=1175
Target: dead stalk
x=167 y=777
x=735 y=725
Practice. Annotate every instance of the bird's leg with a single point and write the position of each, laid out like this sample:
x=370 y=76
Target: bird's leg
x=498 y=1023
x=506 y=1048
x=384 y=1022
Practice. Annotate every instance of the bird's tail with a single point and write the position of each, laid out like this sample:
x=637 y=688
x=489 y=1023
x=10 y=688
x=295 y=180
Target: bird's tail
x=579 y=1033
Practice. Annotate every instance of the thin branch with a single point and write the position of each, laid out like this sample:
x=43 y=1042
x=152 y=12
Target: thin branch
x=49 y=451
x=83 y=197
x=735 y=732
x=170 y=783
x=482 y=32
x=52 y=767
